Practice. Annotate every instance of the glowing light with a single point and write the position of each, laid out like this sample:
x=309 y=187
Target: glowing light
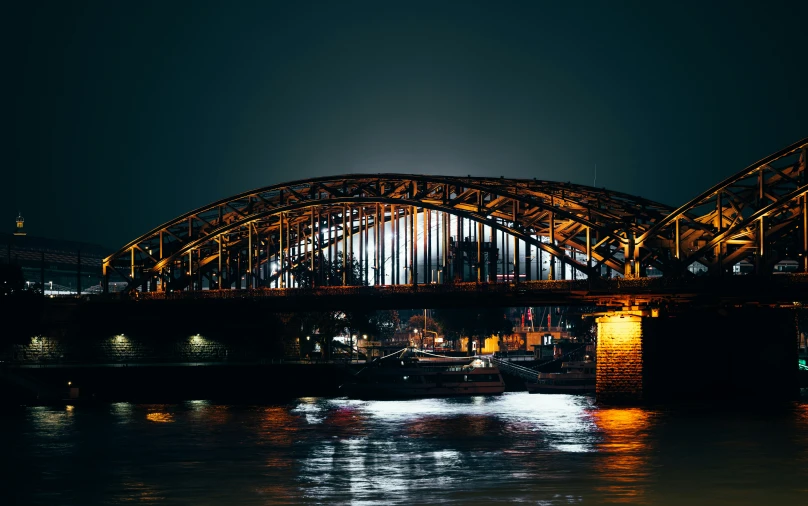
x=69 y=383
x=624 y=327
x=160 y=417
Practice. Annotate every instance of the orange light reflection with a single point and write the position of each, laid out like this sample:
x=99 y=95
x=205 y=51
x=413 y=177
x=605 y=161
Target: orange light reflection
x=278 y=427
x=157 y=413
x=160 y=417
x=623 y=463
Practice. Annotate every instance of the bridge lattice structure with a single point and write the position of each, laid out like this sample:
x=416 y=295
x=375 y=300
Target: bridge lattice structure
x=394 y=229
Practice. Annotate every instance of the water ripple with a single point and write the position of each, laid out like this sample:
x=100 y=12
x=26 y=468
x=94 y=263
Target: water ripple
x=534 y=449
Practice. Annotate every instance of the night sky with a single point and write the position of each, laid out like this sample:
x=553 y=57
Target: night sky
x=122 y=115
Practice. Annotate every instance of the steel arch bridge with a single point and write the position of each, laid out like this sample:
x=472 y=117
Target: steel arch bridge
x=412 y=229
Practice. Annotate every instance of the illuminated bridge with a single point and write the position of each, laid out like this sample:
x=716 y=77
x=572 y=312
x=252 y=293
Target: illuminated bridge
x=712 y=275
x=398 y=229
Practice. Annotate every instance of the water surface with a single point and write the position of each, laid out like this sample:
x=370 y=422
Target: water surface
x=533 y=449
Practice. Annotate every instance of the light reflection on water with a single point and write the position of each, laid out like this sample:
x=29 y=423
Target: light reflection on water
x=540 y=449
x=624 y=451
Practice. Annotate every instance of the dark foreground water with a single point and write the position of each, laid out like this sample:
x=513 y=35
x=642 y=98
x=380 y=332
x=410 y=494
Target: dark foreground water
x=534 y=449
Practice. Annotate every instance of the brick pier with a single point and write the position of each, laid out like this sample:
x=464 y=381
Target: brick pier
x=739 y=353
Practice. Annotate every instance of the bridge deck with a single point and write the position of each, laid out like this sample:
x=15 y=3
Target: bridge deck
x=786 y=289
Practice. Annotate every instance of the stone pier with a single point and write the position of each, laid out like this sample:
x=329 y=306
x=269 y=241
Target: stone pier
x=742 y=354
x=620 y=359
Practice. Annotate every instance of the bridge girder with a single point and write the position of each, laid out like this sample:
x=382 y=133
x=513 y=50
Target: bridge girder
x=757 y=216
x=527 y=209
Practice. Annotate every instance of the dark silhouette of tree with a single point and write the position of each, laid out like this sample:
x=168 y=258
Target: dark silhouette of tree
x=417 y=322
x=375 y=324
x=12 y=280
x=322 y=326
x=475 y=323
x=329 y=272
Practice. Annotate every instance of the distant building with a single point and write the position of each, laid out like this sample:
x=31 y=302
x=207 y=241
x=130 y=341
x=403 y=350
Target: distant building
x=53 y=262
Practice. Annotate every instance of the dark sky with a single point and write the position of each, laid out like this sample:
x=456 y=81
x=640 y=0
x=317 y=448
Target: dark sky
x=121 y=115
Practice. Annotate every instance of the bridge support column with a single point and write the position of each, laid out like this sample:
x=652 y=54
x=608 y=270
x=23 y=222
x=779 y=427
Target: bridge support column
x=619 y=358
x=746 y=354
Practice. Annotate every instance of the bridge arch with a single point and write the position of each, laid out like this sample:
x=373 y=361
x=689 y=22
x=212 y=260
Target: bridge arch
x=757 y=217
x=406 y=224
x=574 y=225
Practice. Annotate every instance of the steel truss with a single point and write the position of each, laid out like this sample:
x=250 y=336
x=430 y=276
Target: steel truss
x=395 y=225
x=757 y=217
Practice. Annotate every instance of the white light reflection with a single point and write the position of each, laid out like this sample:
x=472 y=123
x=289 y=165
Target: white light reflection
x=403 y=449
x=312 y=408
x=122 y=411
x=52 y=423
x=561 y=419
x=565 y=421
x=197 y=405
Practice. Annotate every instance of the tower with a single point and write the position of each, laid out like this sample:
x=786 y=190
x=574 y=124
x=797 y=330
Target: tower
x=20 y=230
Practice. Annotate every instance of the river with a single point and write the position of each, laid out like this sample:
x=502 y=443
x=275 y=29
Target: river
x=533 y=449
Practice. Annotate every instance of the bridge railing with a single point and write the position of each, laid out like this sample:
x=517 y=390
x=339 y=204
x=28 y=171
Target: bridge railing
x=586 y=288
x=381 y=291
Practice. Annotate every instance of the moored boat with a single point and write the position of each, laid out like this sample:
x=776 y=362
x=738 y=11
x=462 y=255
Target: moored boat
x=413 y=374
x=575 y=378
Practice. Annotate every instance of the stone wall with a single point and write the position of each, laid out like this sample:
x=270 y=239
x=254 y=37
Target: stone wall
x=126 y=349
x=121 y=348
x=40 y=349
x=199 y=349
x=619 y=359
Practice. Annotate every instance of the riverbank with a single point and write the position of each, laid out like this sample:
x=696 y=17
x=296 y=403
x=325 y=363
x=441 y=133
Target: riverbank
x=231 y=382
x=240 y=382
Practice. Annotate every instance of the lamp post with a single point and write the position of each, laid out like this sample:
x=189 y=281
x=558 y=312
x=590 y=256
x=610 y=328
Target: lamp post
x=425 y=331
x=433 y=339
